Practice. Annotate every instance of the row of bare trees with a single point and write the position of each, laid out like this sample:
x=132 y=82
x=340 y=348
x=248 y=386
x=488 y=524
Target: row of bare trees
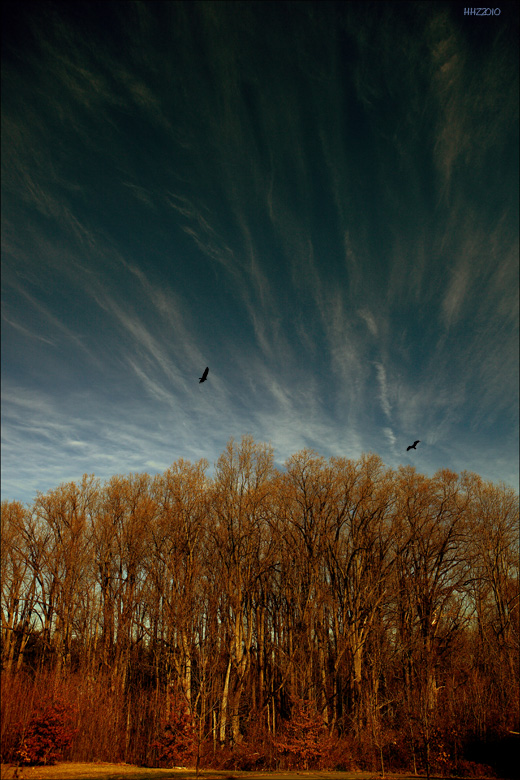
x=386 y=598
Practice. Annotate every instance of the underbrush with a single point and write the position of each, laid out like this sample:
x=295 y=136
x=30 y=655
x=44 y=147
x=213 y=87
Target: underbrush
x=44 y=738
x=47 y=718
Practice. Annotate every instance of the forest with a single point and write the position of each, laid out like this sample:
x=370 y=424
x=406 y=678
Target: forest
x=332 y=613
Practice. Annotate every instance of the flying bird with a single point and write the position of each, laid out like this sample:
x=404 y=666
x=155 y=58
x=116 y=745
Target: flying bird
x=413 y=446
x=204 y=375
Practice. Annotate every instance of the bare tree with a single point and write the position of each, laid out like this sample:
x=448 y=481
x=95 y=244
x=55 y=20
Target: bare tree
x=494 y=554
x=385 y=601
x=238 y=527
x=174 y=568
x=432 y=577
x=18 y=584
x=64 y=513
x=359 y=561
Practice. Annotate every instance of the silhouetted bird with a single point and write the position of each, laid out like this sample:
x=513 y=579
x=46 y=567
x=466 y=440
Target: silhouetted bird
x=413 y=446
x=204 y=375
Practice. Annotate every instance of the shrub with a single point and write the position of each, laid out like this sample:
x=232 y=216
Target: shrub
x=304 y=740
x=178 y=741
x=47 y=735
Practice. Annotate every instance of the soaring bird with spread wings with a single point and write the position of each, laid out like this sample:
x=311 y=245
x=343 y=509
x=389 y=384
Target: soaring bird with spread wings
x=413 y=446
x=204 y=375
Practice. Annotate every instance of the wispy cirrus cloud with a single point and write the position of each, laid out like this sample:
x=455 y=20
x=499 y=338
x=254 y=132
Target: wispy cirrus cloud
x=324 y=219
x=53 y=322
x=456 y=292
x=26 y=331
x=383 y=389
x=368 y=318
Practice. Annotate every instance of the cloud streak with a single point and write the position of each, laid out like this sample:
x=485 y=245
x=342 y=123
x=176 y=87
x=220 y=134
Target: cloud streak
x=324 y=218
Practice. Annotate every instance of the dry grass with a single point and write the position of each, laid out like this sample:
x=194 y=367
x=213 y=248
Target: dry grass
x=80 y=771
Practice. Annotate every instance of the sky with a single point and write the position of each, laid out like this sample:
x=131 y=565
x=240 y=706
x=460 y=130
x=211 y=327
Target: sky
x=319 y=201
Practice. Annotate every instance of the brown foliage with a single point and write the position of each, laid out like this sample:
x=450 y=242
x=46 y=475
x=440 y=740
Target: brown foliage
x=387 y=601
x=304 y=739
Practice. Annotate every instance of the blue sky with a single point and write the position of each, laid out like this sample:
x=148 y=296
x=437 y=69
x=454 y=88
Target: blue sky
x=319 y=201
